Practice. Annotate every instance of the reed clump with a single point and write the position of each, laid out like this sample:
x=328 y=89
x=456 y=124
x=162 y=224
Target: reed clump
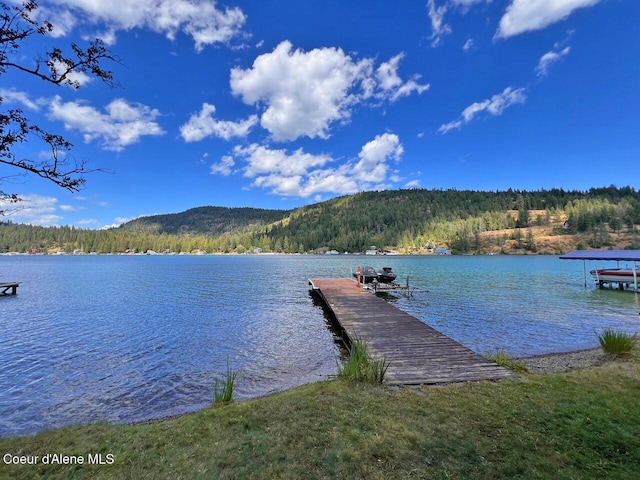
x=503 y=359
x=223 y=393
x=360 y=367
x=617 y=343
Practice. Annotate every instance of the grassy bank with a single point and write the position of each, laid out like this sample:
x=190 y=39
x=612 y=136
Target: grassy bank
x=582 y=424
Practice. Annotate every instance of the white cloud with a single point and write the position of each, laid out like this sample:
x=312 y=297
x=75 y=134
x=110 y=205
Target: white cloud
x=468 y=45
x=201 y=19
x=438 y=28
x=122 y=124
x=203 y=125
x=120 y=220
x=391 y=85
x=412 y=184
x=75 y=77
x=549 y=58
x=306 y=175
x=224 y=166
x=108 y=36
x=436 y=14
x=63 y=20
x=496 y=105
x=304 y=93
x=262 y=160
x=88 y=222
x=372 y=166
x=468 y=3
x=70 y=208
x=34 y=210
x=528 y=15
x=14 y=96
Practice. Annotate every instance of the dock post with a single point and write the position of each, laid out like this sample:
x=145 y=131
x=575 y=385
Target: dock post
x=7 y=289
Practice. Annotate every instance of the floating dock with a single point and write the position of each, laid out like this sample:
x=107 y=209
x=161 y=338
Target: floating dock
x=417 y=354
x=8 y=288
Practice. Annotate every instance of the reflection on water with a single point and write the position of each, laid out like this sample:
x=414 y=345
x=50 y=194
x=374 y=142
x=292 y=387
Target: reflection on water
x=122 y=339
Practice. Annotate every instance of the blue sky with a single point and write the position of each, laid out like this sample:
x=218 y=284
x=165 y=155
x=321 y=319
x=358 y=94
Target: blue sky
x=286 y=103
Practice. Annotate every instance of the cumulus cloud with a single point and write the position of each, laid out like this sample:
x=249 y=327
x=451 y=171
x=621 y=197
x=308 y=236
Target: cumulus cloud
x=549 y=58
x=263 y=160
x=201 y=19
x=494 y=106
x=291 y=174
x=305 y=93
x=203 y=125
x=372 y=165
x=528 y=15
x=34 y=210
x=121 y=124
x=303 y=174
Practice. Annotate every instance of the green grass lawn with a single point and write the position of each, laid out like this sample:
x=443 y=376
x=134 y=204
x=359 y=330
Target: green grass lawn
x=578 y=425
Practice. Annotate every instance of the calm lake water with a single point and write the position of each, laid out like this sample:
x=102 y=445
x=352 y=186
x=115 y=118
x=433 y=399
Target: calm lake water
x=131 y=338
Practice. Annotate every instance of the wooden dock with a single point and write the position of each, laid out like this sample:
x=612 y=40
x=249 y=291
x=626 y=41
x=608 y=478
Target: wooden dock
x=9 y=288
x=417 y=354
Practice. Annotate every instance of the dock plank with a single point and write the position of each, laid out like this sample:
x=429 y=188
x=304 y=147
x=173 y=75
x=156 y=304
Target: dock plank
x=417 y=353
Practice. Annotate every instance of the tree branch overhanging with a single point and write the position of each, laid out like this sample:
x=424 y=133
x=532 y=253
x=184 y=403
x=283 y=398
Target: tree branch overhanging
x=17 y=25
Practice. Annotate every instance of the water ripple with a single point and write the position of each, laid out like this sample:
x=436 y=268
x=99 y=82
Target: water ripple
x=123 y=339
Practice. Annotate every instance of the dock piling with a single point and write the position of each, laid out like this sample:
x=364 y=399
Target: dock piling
x=8 y=288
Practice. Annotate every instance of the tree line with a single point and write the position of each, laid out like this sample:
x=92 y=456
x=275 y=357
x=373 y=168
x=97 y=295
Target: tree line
x=408 y=219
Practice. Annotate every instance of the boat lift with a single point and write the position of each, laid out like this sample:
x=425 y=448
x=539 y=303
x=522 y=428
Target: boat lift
x=610 y=255
x=384 y=287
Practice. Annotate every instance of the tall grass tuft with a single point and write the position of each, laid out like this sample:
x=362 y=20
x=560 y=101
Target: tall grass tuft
x=224 y=393
x=505 y=360
x=616 y=343
x=360 y=367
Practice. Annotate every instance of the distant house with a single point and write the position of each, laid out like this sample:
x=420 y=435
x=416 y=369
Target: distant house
x=442 y=251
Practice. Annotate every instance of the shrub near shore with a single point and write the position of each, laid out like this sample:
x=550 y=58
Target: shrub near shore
x=581 y=424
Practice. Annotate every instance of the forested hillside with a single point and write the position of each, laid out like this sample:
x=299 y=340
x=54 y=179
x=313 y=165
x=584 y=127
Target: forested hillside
x=206 y=220
x=410 y=221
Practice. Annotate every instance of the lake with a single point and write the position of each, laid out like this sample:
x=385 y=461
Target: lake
x=132 y=338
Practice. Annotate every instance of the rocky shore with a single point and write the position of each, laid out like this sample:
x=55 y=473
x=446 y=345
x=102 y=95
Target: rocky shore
x=562 y=362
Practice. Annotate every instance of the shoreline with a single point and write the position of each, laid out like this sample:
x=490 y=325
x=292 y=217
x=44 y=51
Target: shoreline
x=564 y=361
x=545 y=363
